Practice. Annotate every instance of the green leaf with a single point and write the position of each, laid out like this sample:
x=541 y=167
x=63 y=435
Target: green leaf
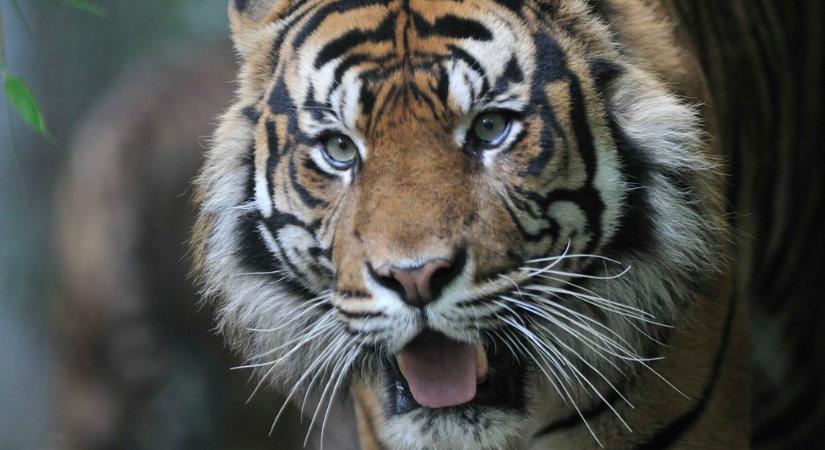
x=87 y=6
x=21 y=98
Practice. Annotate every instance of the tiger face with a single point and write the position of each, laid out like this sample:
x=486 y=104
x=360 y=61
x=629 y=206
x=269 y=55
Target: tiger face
x=485 y=214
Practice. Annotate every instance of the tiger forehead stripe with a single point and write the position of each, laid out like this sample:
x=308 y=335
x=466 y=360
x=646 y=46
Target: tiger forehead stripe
x=392 y=36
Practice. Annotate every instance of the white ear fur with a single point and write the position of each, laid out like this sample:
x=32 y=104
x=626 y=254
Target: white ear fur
x=248 y=18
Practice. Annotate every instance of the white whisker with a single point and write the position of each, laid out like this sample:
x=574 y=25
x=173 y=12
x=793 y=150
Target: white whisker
x=532 y=338
x=317 y=365
x=292 y=320
x=326 y=322
x=334 y=368
x=629 y=355
x=353 y=355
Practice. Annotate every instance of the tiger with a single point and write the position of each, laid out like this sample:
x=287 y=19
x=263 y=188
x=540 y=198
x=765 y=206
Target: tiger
x=491 y=224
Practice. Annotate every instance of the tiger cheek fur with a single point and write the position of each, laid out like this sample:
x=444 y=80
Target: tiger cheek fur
x=353 y=209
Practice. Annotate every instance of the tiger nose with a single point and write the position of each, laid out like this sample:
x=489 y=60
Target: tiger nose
x=421 y=285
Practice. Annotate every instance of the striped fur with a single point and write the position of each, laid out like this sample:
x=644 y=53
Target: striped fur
x=593 y=238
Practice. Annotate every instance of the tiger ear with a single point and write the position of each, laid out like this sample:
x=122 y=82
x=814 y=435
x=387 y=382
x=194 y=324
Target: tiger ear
x=248 y=19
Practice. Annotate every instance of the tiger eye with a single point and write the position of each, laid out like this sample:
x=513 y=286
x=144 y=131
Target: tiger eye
x=340 y=150
x=491 y=128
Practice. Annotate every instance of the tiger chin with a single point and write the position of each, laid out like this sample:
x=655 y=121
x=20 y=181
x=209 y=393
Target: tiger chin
x=493 y=224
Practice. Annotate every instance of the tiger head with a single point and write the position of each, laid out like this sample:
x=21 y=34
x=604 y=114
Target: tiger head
x=483 y=214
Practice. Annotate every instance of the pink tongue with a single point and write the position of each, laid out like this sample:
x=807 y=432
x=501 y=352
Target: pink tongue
x=441 y=373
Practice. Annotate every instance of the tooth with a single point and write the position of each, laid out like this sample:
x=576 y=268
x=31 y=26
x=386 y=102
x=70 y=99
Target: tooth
x=400 y=361
x=482 y=365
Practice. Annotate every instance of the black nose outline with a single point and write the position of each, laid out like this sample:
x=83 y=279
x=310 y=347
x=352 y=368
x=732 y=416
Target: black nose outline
x=439 y=279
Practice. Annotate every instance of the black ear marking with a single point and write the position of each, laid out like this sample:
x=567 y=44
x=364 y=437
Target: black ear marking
x=603 y=9
x=604 y=72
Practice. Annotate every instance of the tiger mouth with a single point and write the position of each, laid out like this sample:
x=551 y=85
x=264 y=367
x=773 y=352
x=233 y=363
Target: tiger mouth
x=434 y=369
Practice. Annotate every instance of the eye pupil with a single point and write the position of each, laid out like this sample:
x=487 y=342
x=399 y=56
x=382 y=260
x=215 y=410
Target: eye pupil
x=491 y=128
x=340 y=151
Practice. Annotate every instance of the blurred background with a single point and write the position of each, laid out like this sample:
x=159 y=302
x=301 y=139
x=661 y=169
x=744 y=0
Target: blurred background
x=79 y=370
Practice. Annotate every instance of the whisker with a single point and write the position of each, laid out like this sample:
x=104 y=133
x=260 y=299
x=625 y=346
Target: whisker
x=321 y=360
x=275 y=366
x=292 y=320
x=324 y=324
x=554 y=260
x=353 y=355
x=602 y=337
x=321 y=298
x=575 y=256
x=597 y=296
x=590 y=344
x=522 y=328
x=337 y=366
x=630 y=356
x=527 y=332
x=535 y=272
x=600 y=302
x=282 y=272
x=331 y=350
x=598 y=372
x=529 y=354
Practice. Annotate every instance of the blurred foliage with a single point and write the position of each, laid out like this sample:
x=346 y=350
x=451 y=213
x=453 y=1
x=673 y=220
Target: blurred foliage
x=21 y=98
x=16 y=90
x=69 y=58
x=83 y=5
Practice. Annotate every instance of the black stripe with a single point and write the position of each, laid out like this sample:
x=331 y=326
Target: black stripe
x=422 y=97
x=602 y=9
x=309 y=200
x=574 y=419
x=588 y=198
x=241 y=5
x=526 y=235
x=310 y=164
x=461 y=54
x=512 y=5
x=367 y=100
x=347 y=63
x=603 y=72
x=288 y=24
x=636 y=228
x=672 y=433
x=360 y=315
x=322 y=14
x=256 y=257
x=339 y=46
x=252 y=114
x=272 y=158
x=450 y=26
x=442 y=89
x=353 y=295
x=248 y=161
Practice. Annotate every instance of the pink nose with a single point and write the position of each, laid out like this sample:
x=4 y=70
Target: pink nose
x=420 y=285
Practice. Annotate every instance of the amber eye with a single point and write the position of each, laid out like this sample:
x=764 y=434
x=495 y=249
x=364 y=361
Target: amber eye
x=340 y=151
x=491 y=128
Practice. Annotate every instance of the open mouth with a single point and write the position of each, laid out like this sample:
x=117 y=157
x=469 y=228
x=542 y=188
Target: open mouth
x=436 y=372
